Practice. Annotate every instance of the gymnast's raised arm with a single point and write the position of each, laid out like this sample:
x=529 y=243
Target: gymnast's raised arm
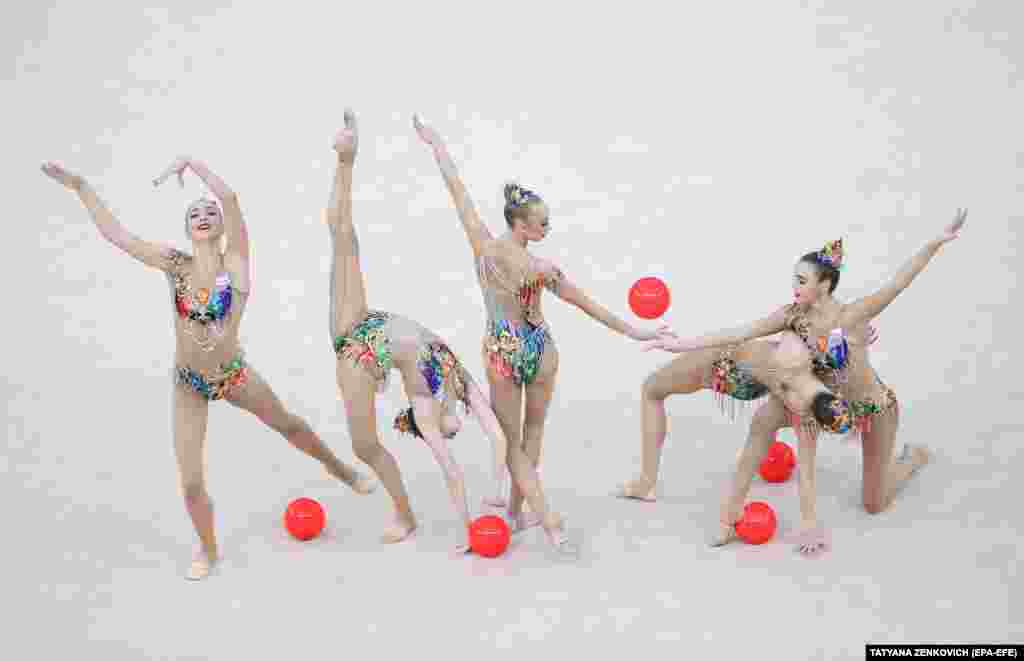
x=477 y=233
x=561 y=286
x=867 y=308
x=148 y=253
x=235 y=230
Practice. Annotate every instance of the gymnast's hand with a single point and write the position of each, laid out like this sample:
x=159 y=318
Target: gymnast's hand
x=57 y=172
x=178 y=167
x=666 y=340
x=642 y=335
x=872 y=334
x=426 y=133
x=952 y=231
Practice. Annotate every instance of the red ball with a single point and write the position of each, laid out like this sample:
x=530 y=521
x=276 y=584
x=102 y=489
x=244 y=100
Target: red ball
x=304 y=518
x=649 y=298
x=489 y=536
x=774 y=470
x=778 y=463
x=757 y=525
x=779 y=448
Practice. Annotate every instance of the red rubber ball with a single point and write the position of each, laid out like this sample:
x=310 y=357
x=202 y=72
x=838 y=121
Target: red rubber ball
x=778 y=463
x=782 y=450
x=773 y=469
x=489 y=536
x=304 y=518
x=757 y=525
x=649 y=298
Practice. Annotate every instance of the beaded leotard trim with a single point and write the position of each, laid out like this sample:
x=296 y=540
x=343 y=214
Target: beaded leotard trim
x=203 y=311
x=223 y=380
x=514 y=348
x=732 y=384
x=831 y=358
x=728 y=378
x=368 y=346
x=858 y=416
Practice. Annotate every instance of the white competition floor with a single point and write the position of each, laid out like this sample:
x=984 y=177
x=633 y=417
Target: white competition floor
x=103 y=577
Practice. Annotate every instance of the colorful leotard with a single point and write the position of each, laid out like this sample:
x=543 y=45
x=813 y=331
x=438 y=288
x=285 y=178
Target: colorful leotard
x=516 y=333
x=831 y=363
x=204 y=311
x=445 y=376
x=732 y=383
x=369 y=346
x=735 y=379
x=373 y=342
x=224 y=381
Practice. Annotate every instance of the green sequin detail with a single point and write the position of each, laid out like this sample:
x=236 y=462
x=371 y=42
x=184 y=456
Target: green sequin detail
x=367 y=342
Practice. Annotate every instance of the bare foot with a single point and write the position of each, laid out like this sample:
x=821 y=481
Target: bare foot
x=398 y=531
x=202 y=565
x=346 y=141
x=812 y=541
x=463 y=547
x=726 y=534
x=361 y=484
x=638 y=489
x=916 y=455
x=524 y=521
x=554 y=529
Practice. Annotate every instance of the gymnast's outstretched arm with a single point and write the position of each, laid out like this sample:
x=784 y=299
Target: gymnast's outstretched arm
x=477 y=233
x=561 y=286
x=453 y=475
x=869 y=307
x=667 y=340
x=150 y=254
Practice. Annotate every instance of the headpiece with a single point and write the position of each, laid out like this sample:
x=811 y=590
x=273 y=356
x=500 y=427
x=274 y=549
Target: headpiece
x=405 y=423
x=516 y=196
x=832 y=254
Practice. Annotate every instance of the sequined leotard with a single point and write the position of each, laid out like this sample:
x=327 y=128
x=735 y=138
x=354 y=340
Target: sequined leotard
x=383 y=340
x=516 y=333
x=840 y=360
x=205 y=316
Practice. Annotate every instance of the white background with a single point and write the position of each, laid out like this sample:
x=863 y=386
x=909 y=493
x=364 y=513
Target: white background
x=710 y=144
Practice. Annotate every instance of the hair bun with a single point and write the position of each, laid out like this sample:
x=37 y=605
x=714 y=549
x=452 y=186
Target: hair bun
x=516 y=196
x=513 y=192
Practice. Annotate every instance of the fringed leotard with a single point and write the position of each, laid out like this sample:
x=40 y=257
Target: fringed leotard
x=841 y=362
x=205 y=315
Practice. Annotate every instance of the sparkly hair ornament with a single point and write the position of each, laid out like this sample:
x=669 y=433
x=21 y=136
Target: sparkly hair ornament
x=405 y=423
x=516 y=196
x=841 y=417
x=832 y=255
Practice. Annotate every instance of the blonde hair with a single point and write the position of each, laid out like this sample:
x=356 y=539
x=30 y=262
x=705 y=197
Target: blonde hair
x=518 y=202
